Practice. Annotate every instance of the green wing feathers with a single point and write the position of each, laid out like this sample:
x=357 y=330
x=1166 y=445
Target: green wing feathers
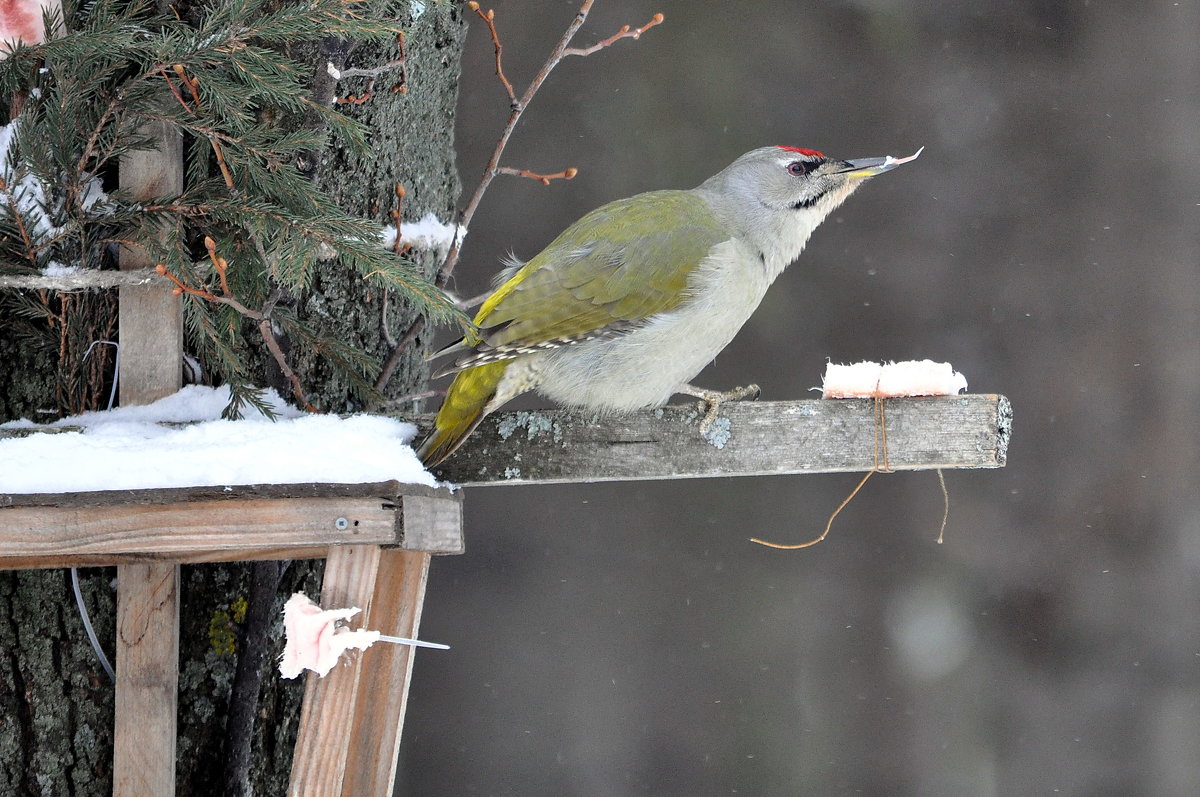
x=616 y=266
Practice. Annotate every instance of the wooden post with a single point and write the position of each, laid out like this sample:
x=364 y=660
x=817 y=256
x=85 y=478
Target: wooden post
x=147 y=672
x=150 y=321
x=327 y=717
x=383 y=687
x=349 y=739
x=150 y=317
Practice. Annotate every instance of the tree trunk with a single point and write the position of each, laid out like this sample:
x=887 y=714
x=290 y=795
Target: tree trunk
x=55 y=699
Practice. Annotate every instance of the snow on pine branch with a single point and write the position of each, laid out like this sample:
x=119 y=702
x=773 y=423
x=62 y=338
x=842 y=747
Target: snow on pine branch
x=429 y=233
x=29 y=198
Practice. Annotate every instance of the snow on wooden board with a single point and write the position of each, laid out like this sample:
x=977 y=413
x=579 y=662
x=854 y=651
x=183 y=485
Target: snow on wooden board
x=128 y=449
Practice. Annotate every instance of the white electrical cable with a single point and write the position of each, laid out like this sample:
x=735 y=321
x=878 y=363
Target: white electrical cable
x=83 y=612
x=87 y=626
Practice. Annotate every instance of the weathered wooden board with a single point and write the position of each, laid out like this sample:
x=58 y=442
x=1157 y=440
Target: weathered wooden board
x=387 y=671
x=170 y=530
x=224 y=523
x=150 y=326
x=748 y=439
x=147 y=674
x=233 y=492
x=324 y=738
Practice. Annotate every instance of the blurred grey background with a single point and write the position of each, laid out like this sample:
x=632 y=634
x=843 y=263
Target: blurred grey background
x=626 y=639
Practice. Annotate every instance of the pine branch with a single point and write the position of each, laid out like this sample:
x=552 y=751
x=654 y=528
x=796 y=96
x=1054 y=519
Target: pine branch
x=237 y=96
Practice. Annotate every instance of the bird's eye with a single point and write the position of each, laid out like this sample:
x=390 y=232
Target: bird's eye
x=801 y=168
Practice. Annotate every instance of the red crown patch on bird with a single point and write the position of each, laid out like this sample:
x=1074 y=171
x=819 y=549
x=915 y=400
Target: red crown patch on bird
x=812 y=153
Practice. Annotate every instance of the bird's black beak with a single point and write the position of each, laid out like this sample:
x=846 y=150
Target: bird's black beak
x=869 y=167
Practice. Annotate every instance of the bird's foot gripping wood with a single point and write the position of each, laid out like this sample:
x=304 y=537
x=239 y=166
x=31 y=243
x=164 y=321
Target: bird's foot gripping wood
x=711 y=401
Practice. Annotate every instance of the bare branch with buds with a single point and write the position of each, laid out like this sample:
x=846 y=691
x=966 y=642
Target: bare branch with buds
x=544 y=179
x=624 y=33
x=489 y=19
x=261 y=317
x=561 y=50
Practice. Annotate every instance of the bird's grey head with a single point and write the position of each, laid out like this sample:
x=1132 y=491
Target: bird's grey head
x=783 y=178
x=776 y=196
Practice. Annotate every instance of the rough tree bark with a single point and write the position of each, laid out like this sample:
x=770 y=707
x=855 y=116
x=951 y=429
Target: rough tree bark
x=55 y=700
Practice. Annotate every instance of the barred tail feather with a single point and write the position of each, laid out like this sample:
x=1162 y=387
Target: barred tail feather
x=464 y=407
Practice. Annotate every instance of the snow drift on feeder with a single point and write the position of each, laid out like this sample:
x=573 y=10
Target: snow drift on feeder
x=129 y=448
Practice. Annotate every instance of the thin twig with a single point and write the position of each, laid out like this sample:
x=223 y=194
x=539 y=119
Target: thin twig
x=388 y=337
x=424 y=394
x=116 y=102
x=219 y=264
x=341 y=74
x=474 y=301
x=190 y=82
x=402 y=86
x=514 y=116
x=489 y=19
x=358 y=99
x=192 y=109
x=393 y=359
x=624 y=33
x=174 y=91
x=182 y=287
x=544 y=179
x=224 y=167
x=264 y=327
